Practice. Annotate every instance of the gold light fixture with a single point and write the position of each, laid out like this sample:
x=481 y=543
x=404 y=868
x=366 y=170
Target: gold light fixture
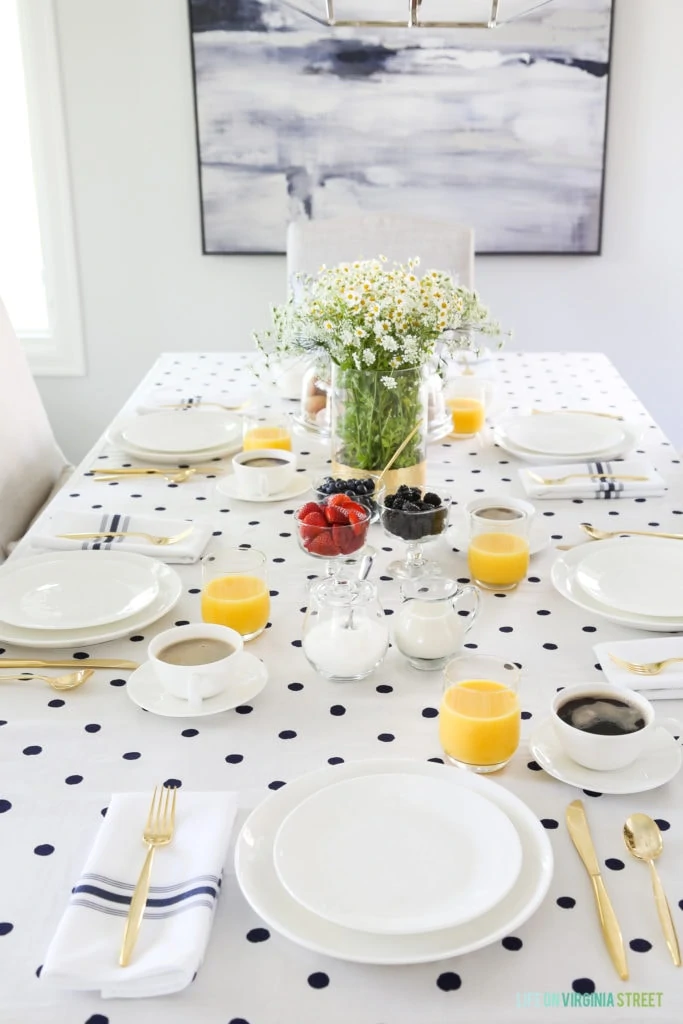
x=493 y=14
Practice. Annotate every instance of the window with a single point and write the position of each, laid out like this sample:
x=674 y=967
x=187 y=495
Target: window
x=38 y=270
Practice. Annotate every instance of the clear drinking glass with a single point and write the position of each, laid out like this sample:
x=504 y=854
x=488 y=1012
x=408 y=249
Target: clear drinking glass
x=498 y=553
x=479 y=717
x=466 y=399
x=267 y=428
x=235 y=590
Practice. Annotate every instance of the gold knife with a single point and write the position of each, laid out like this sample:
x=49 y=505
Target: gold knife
x=67 y=663
x=579 y=831
x=152 y=471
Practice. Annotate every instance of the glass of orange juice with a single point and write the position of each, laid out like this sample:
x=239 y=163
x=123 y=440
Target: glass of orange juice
x=466 y=401
x=498 y=553
x=479 y=717
x=235 y=590
x=267 y=429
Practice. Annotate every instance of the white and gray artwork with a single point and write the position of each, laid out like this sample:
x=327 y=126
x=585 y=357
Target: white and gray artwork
x=500 y=129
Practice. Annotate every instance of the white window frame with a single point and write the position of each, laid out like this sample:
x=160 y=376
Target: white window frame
x=59 y=351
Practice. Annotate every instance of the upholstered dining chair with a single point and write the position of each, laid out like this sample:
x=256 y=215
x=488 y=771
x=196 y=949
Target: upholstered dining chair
x=31 y=462
x=439 y=244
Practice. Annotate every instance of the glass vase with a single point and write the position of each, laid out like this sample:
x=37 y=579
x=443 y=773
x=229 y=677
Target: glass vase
x=370 y=421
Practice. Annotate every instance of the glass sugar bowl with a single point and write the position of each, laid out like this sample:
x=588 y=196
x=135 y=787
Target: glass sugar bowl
x=432 y=622
x=345 y=635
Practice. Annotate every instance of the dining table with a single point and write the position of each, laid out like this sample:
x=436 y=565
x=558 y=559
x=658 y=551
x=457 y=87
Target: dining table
x=63 y=755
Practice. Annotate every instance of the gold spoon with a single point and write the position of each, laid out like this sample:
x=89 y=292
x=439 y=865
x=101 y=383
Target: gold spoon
x=69 y=681
x=396 y=454
x=644 y=840
x=597 y=534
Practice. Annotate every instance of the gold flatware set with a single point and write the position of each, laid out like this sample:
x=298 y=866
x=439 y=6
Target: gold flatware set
x=158 y=831
x=644 y=840
x=174 y=476
x=554 y=480
x=66 y=663
x=153 y=539
x=69 y=681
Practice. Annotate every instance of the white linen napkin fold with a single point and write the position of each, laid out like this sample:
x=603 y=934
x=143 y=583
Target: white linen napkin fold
x=597 y=486
x=184 y=552
x=84 y=953
x=163 y=398
x=668 y=685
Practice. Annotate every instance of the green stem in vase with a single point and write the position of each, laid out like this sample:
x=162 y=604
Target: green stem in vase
x=373 y=420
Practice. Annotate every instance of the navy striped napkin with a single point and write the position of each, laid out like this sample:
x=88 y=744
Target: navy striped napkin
x=594 y=480
x=185 y=887
x=185 y=551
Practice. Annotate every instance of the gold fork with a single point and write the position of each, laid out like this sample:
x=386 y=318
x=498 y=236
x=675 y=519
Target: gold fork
x=645 y=668
x=158 y=831
x=581 y=476
x=68 y=681
x=163 y=542
x=173 y=476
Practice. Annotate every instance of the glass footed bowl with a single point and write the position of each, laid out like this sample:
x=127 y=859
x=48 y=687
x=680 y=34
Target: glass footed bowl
x=335 y=541
x=416 y=526
x=329 y=485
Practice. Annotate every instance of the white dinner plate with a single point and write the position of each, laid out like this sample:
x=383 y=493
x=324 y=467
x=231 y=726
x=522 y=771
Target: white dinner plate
x=76 y=589
x=643 y=575
x=632 y=434
x=563 y=433
x=657 y=766
x=229 y=486
x=563 y=575
x=170 y=589
x=397 y=854
x=263 y=890
x=118 y=441
x=172 y=432
x=145 y=690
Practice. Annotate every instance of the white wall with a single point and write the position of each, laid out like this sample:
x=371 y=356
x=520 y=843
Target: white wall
x=147 y=288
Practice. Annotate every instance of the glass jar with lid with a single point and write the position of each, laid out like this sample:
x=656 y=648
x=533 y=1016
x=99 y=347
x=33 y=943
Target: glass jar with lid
x=345 y=635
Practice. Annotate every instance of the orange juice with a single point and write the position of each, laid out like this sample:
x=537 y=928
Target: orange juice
x=498 y=559
x=241 y=602
x=479 y=722
x=267 y=437
x=468 y=414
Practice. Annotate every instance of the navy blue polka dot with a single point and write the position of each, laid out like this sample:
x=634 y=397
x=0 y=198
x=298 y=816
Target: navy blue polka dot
x=117 y=682
x=5 y=805
x=244 y=709
x=525 y=715
x=39 y=971
x=318 y=980
x=640 y=945
x=550 y=647
x=449 y=981
x=234 y=758
x=386 y=737
x=287 y=734
x=436 y=760
x=132 y=755
x=56 y=703
x=337 y=710
x=258 y=935
x=73 y=780
x=663 y=824
x=277 y=784
x=429 y=712
x=384 y=688
x=534 y=766
x=173 y=783
x=614 y=864
x=5 y=927
x=512 y=942
x=566 y=902
x=93 y=727
x=295 y=686
x=136 y=639
x=335 y=760
x=592 y=792
x=549 y=823
x=583 y=986
x=44 y=850
x=97 y=1018
x=190 y=732
x=31 y=751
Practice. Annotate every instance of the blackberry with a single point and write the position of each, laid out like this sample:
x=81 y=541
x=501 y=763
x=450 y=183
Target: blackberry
x=432 y=499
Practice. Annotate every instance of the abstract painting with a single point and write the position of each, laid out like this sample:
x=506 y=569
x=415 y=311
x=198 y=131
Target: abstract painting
x=500 y=129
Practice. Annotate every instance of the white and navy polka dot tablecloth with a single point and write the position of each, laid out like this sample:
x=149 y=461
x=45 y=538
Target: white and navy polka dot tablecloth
x=61 y=756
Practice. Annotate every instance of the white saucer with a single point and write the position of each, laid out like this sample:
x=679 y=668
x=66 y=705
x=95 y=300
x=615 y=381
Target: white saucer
x=457 y=534
x=230 y=488
x=656 y=767
x=145 y=690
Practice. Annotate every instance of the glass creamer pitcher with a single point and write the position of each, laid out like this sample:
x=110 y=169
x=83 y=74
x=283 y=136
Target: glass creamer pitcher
x=433 y=620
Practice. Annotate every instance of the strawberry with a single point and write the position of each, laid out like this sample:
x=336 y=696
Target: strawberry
x=354 y=544
x=358 y=521
x=312 y=524
x=344 y=539
x=340 y=499
x=353 y=506
x=338 y=514
x=310 y=506
x=323 y=545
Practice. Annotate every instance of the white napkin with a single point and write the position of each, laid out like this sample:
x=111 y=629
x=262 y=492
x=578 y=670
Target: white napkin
x=184 y=552
x=668 y=685
x=161 y=398
x=596 y=487
x=186 y=874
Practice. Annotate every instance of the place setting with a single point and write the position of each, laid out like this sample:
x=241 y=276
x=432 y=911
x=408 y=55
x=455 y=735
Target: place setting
x=167 y=438
x=568 y=437
x=264 y=475
x=178 y=541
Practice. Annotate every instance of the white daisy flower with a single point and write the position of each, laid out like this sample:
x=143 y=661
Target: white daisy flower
x=389 y=382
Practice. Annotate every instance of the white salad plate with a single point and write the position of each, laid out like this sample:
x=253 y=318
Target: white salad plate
x=564 y=574
x=145 y=690
x=169 y=432
x=118 y=441
x=657 y=766
x=563 y=433
x=170 y=589
x=76 y=589
x=642 y=575
x=631 y=437
x=229 y=486
x=258 y=879
x=397 y=854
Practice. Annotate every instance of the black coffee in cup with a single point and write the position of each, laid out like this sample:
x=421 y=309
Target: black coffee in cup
x=602 y=716
x=264 y=462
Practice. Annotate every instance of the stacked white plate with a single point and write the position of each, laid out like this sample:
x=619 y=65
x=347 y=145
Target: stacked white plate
x=393 y=862
x=77 y=598
x=561 y=437
x=170 y=437
x=634 y=581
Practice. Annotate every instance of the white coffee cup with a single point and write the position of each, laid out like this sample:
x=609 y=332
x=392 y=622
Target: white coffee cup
x=608 y=753
x=262 y=481
x=513 y=504
x=195 y=683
